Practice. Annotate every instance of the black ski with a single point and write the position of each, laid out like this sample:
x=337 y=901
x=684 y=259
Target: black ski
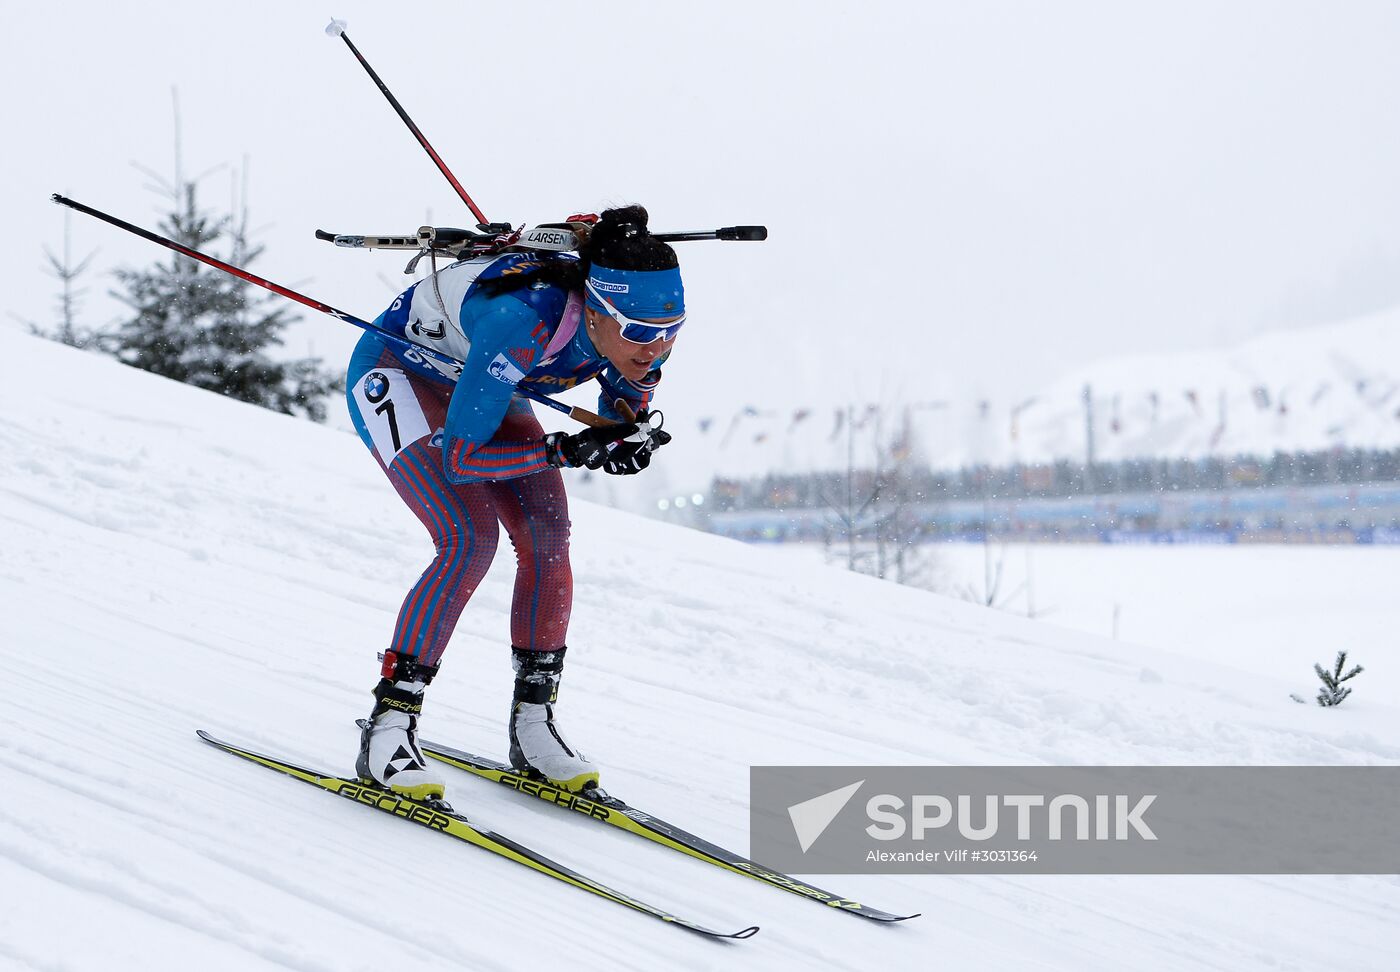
x=610 y=810
x=436 y=815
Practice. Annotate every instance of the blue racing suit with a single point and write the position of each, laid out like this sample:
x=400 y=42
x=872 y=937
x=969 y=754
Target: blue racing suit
x=503 y=341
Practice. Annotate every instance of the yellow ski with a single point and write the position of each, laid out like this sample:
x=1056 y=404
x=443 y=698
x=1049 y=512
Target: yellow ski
x=610 y=810
x=437 y=815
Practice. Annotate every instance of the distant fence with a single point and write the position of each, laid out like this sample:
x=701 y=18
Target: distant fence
x=1355 y=513
x=908 y=480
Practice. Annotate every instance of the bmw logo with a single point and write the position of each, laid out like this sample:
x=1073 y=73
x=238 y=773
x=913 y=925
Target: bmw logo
x=376 y=386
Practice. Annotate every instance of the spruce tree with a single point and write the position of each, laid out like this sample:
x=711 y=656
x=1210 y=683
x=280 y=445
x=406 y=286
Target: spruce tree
x=66 y=329
x=207 y=328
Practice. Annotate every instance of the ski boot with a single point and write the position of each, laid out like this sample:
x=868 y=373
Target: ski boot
x=536 y=746
x=389 y=754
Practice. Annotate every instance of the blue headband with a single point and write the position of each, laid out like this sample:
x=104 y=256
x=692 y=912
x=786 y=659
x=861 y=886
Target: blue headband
x=647 y=294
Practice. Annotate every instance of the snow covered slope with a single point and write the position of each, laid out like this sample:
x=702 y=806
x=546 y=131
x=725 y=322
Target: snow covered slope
x=1305 y=389
x=173 y=560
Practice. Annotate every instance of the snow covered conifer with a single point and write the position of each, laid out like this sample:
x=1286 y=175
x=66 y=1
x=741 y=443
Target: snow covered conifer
x=67 y=330
x=1333 y=692
x=203 y=327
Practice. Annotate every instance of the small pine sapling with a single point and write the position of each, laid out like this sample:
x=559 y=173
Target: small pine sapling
x=1333 y=692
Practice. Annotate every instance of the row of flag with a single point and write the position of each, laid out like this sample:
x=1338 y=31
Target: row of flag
x=848 y=419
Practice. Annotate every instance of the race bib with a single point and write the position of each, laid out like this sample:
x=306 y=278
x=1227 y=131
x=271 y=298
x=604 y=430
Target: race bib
x=390 y=411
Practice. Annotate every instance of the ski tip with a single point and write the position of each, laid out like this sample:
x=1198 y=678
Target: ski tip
x=883 y=917
x=749 y=932
x=335 y=28
x=212 y=740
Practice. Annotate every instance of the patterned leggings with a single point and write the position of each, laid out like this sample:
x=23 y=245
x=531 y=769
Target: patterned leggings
x=405 y=436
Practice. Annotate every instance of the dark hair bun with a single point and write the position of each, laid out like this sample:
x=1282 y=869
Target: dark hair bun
x=624 y=223
x=620 y=240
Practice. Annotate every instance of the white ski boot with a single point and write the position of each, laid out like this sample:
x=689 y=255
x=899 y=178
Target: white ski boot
x=389 y=754
x=536 y=745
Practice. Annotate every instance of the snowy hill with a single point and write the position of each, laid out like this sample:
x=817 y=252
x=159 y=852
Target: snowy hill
x=1307 y=389
x=1304 y=389
x=173 y=560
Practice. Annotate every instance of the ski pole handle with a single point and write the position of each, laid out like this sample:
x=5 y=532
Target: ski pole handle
x=580 y=415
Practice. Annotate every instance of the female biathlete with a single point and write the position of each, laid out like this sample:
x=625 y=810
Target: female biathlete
x=465 y=452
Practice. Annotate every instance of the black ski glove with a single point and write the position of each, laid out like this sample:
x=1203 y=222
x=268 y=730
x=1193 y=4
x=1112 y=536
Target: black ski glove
x=633 y=454
x=588 y=448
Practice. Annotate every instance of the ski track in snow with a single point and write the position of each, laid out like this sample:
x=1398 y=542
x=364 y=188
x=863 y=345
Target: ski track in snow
x=173 y=560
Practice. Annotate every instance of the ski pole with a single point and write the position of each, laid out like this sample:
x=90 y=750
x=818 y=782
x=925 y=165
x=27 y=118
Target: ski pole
x=336 y=28
x=411 y=351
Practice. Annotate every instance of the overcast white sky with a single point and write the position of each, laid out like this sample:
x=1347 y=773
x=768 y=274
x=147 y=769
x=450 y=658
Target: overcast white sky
x=962 y=196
